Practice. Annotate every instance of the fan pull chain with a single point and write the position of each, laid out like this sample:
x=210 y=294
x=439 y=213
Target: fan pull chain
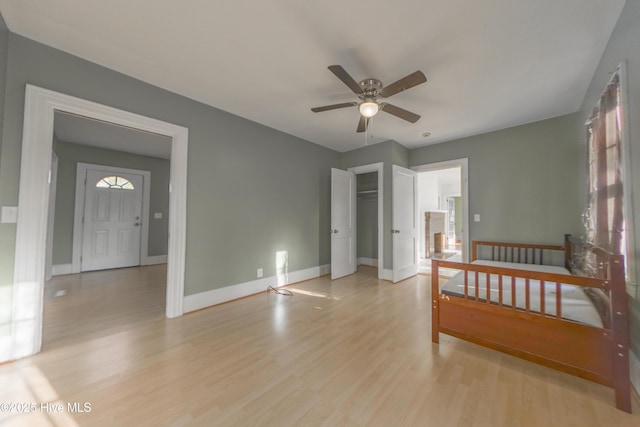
x=366 y=131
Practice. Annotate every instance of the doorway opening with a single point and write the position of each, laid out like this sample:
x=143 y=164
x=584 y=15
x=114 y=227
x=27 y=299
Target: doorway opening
x=107 y=219
x=33 y=202
x=367 y=219
x=442 y=211
x=369 y=216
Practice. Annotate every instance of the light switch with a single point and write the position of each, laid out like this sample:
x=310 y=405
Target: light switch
x=157 y=215
x=9 y=215
x=476 y=217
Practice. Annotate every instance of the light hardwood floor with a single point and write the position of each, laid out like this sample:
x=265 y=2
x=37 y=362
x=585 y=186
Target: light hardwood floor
x=350 y=352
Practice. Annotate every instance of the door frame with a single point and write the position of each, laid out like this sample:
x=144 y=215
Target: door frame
x=53 y=182
x=376 y=167
x=78 y=213
x=463 y=164
x=33 y=199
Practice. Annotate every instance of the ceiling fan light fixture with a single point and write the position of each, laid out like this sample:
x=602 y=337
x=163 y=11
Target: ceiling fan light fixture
x=369 y=108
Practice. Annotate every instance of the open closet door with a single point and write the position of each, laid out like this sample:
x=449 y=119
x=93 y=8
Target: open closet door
x=405 y=223
x=343 y=218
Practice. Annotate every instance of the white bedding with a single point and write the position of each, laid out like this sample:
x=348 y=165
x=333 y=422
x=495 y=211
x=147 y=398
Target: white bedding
x=576 y=305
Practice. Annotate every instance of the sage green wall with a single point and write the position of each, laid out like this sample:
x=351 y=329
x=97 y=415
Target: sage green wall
x=523 y=180
x=68 y=157
x=458 y=217
x=389 y=152
x=624 y=46
x=252 y=190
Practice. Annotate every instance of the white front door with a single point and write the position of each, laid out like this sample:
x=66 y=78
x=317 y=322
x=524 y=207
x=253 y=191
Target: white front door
x=405 y=223
x=111 y=221
x=343 y=218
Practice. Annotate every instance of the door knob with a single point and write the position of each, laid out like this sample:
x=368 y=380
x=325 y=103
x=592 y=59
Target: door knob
x=335 y=231
x=137 y=224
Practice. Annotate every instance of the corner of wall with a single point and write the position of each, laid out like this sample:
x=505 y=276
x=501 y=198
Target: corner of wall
x=399 y=154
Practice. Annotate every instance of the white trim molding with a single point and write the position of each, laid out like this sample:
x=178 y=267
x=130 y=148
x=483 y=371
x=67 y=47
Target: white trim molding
x=31 y=231
x=156 y=259
x=61 y=269
x=229 y=293
x=371 y=262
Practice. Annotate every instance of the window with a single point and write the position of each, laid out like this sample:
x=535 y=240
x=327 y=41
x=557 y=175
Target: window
x=116 y=182
x=604 y=216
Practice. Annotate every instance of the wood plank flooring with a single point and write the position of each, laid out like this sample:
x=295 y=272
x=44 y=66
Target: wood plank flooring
x=350 y=352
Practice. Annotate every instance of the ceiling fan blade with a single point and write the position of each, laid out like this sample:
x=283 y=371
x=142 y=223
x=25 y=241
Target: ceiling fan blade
x=346 y=78
x=334 y=106
x=413 y=79
x=363 y=124
x=399 y=112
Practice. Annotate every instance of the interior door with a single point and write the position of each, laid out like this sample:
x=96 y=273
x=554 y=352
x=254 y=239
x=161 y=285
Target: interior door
x=112 y=219
x=405 y=223
x=343 y=218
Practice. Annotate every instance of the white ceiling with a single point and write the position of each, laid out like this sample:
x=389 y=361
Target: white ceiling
x=82 y=130
x=490 y=64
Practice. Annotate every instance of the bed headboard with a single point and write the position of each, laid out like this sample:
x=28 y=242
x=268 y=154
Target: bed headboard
x=523 y=253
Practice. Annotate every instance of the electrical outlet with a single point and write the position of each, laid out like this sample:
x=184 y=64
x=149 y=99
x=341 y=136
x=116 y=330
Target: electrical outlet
x=476 y=217
x=259 y=272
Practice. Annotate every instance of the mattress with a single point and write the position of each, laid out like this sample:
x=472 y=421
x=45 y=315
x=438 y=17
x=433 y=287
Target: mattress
x=576 y=304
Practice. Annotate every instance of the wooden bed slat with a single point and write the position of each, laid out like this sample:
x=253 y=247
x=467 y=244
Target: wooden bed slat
x=488 y=286
x=477 y=284
x=558 y=300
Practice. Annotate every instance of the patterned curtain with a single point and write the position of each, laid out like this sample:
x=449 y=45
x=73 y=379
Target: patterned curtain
x=604 y=221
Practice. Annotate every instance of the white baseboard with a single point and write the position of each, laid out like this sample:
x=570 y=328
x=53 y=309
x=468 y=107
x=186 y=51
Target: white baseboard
x=61 y=269
x=387 y=275
x=228 y=293
x=157 y=259
x=325 y=269
x=372 y=262
x=634 y=367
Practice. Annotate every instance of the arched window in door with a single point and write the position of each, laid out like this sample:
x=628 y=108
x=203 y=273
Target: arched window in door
x=116 y=182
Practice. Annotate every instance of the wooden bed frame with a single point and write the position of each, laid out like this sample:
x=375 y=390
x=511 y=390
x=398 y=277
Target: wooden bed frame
x=596 y=354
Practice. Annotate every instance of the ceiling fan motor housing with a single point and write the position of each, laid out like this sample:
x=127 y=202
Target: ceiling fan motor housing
x=370 y=88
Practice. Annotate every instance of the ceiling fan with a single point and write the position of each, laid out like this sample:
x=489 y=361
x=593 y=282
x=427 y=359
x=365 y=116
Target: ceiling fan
x=370 y=91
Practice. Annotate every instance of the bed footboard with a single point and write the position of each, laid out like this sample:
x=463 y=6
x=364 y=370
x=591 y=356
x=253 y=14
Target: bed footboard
x=541 y=335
